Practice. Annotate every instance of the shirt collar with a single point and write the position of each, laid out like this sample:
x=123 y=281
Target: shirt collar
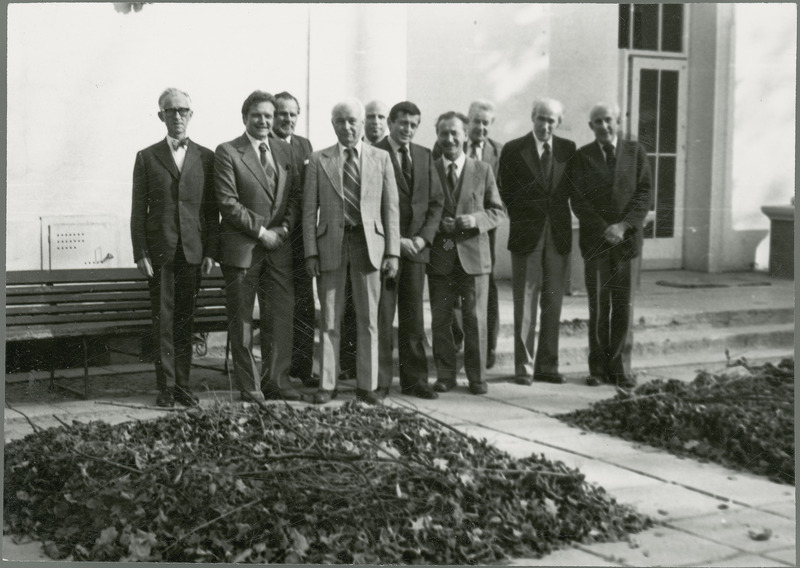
x=459 y=162
x=396 y=147
x=256 y=143
x=480 y=144
x=540 y=144
x=171 y=142
x=614 y=142
x=358 y=148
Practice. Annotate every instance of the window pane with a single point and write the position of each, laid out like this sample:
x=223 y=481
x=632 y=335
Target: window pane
x=665 y=208
x=645 y=26
x=668 y=117
x=624 y=40
x=672 y=27
x=649 y=230
x=648 y=107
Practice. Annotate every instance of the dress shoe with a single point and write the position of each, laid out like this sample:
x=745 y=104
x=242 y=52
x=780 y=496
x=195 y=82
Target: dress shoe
x=165 y=399
x=626 y=382
x=252 y=396
x=443 y=386
x=312 y=381
x=184 y=396
x=490 y=359
x=323 y=396
x=420 y=390
x=595 y=380
x=556 y=379
x=478 y=388
x=368 y=397
x=382 y=392
x=524 y=380
x=275 y=393
x=347 y=375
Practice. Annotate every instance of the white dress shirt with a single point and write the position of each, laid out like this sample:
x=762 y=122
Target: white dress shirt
x=178 y=155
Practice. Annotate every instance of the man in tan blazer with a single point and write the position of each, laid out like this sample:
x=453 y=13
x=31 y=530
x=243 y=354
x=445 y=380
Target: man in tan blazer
x=351 y=220
x=258 y=191
x=460 y=257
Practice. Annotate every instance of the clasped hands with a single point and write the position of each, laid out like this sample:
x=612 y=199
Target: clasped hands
x=615 y=233
x=412 y=246
x=460 y=222
x=271 y=239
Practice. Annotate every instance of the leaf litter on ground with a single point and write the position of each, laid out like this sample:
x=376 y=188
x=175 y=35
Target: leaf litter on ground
x=742 y=417
x=275 y=484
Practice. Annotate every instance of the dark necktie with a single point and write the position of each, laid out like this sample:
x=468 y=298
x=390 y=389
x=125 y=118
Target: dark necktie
x=180 y=144
x=451 y=177
x=611 y=159
x=351 y=185
x=546 y=161
x=406 y=165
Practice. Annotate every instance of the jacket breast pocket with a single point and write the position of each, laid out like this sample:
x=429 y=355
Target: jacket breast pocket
x=379 y=227
x=321 y=229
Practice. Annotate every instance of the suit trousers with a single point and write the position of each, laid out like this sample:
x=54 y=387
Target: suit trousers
x=349 y=337
x=537 y=281
x=609 y=287
x=472 y=290
x=173 y=290
x=366 y=282
x=270 y=278
x=492 y=308
x=303 y=343
x=405 y=297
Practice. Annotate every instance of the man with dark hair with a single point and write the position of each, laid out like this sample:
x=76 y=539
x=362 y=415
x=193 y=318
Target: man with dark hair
x=174 y=227
x=286 y=114
x=460 y=259
x=421 y=200
x=535 y=188
x=258 y=192
x=613 y=190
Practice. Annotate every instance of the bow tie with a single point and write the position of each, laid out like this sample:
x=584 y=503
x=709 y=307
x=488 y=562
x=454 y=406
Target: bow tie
x=178 y=143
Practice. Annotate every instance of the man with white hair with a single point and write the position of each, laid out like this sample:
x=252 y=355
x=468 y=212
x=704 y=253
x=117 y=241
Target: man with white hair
x=536 y=188
x=351 y=222
x=613 y=190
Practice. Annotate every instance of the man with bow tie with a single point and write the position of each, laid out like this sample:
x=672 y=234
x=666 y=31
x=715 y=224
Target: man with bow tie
x=174 y=226
x=258 y=191
x=613 y=191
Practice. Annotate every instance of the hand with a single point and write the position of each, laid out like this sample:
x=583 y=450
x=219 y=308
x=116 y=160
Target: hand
x=448 y=225
x=420 y=243
x=144 y=266
x=270 y=238
x=312 y=266
x=408 y=247
x=466 y=222
x=615 y=233
x=208 y=264
x=389 y=267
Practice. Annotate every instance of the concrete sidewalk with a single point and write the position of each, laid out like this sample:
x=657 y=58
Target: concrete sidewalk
x=707 y=511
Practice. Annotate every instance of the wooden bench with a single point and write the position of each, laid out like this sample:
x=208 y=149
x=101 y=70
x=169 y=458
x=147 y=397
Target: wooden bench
x=95 y=304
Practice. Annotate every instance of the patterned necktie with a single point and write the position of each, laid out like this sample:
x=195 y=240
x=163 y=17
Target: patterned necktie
x=546 y=161
x=611 y=159
x=266 y=161
x=406 y=165
x=351 y=186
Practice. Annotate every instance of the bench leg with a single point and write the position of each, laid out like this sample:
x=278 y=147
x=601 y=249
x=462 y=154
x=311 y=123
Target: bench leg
x=85 y=369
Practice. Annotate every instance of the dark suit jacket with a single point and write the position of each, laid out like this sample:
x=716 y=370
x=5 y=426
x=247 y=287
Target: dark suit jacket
x=168 y=204
x=478 y=196
x=528 y=201
x=301 y=150
x=246 y=203
x=420 y=206
x=491 y=153
x=599 y=201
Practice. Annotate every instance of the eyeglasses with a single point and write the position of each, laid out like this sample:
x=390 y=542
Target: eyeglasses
x=184 y=112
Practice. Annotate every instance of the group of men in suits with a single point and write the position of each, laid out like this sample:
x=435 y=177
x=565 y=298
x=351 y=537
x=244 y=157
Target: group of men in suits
x=370 y=217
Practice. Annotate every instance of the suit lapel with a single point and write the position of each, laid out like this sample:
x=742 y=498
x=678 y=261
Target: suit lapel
x=164 y=155
x=559 y=164
x=369 y=170
x=468 y=185
x=192 y=157
x=253 y=163
x=282 y=162
x=418 y=159
x=330 y=162
x=531 y=158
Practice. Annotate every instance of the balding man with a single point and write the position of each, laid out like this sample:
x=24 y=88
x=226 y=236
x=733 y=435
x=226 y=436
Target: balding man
x=351 y=226
x=535 y=188
x=375 y=125
x=612 y=196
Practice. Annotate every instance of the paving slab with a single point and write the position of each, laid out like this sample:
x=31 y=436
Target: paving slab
x=785 y=508
x=667 y=502
x=566 y=557
x=787 y=556
x=747 y=561
x=735 y=525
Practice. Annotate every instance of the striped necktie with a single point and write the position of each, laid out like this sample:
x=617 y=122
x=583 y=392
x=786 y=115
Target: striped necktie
x=351 y=185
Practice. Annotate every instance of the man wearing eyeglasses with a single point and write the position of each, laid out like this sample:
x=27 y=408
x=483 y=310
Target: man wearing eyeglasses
x=174 y=228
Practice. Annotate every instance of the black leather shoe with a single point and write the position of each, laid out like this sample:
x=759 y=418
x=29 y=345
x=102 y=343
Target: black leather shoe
x=421 y=390
x=523 y=380
x=555 y=379
x=382 y=392
x=184 y=396
x=312 y=381
x=165 y=399
x=595 y=381
x=347 y=375
x=490 y=359
x=256 y=397
x=274 y=393
x=626 y=382
x=444 y=386
x=368 y=397
x=323 y=396
x=478 y=388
